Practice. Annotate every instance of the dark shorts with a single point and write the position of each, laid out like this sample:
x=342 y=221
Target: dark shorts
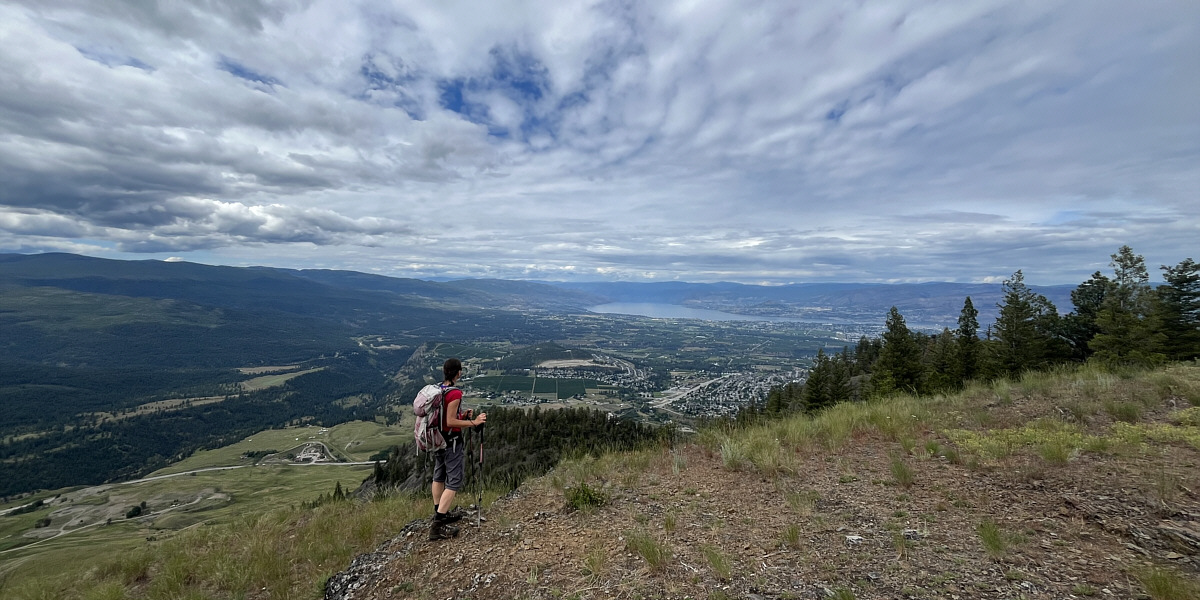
x=448 y=465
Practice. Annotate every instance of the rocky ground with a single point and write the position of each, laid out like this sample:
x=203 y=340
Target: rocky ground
x=836 y=524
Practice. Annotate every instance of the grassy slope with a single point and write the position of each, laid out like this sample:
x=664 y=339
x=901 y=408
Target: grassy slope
x=1024 y=488
x=250 y=490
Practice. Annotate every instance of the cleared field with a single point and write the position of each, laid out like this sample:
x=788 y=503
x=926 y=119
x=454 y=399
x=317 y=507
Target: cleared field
x=159 y=405
x=267 y=381
x=263 y=370
x=359 y=440
x=560 y=388
x=355 y=441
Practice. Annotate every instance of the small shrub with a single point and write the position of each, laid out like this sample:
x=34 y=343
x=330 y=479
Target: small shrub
x=902 y=545
x=584 y=496
x=803 y=501
x=1189 y=417
x=1083 y=589
x=678 y=463
x=1055 y=451
x=733 y=454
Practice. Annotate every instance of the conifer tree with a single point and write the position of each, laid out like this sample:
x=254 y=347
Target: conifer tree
x=899 y=365
x=1180 y=307
x=816 y=388
x=942 y=362
x=968 y=341
x=1128 y=331
x=1025 y=329
x=1079 y=327
x=776 y=403
x=841 y=388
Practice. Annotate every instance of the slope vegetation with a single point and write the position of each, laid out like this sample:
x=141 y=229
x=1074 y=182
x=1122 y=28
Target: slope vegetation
x=1078 y=483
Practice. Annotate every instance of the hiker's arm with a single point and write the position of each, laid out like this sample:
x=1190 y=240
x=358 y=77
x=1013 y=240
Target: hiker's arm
x=452 y=419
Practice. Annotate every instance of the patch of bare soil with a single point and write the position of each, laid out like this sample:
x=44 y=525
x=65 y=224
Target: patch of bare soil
x=838 y=524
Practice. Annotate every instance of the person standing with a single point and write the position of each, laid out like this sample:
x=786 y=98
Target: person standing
x=448 y=462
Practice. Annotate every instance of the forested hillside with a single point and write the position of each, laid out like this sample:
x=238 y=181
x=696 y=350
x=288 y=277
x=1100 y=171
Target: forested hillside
x=1117 y=321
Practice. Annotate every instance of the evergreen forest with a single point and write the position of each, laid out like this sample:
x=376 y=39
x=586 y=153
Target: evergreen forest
x=1118 y=320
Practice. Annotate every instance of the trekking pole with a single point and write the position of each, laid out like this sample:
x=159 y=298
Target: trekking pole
x=479 y=482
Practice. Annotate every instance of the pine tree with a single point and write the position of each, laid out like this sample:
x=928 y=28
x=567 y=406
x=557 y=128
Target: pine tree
x=1026 y=329
x=1179 y=300
x=1080 y=327
x=841 y=388
x=899 y=365
x=776 y=403
x=942 y=362
x=816 y=388
x=968 y=342
x=1128 y=330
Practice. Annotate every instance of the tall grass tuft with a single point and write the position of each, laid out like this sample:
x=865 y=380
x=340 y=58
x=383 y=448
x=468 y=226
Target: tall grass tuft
x=791 y=536
x=717 y=560
x=1163 y=584
x=993 y=538
x=595 y=563
x=1126 y=412
x=733 y=454
x=655 y=553
x=902 y=473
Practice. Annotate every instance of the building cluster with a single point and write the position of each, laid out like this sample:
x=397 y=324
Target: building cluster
x=725 y=395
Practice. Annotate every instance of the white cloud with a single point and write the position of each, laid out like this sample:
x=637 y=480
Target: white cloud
x=670 y=140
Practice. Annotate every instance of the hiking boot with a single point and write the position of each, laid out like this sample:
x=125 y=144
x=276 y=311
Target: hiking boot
x=455 y=515
x=440 y=529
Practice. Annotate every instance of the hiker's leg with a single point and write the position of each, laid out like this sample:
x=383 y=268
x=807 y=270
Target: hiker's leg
x=439 y=476
x=454 y=477
x=438 y=488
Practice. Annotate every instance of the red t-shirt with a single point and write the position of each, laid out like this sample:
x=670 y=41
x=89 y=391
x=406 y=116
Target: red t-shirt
x=451 y=395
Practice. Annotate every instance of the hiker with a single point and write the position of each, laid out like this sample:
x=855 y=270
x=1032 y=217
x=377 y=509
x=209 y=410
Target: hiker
x=448 y=463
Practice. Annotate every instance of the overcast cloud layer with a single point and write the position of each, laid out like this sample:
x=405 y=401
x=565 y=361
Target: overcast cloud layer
x=698 y=141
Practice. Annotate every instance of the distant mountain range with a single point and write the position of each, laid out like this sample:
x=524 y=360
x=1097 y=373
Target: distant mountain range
x=138 y=311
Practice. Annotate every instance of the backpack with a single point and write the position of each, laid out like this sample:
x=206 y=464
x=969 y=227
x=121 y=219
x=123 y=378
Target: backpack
x=428 y=429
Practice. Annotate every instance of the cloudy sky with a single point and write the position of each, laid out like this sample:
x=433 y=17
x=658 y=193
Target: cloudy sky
x=696 y=140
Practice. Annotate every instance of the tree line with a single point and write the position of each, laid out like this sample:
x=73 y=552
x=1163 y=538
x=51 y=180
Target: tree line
x=1117 y=321
x=522 y=443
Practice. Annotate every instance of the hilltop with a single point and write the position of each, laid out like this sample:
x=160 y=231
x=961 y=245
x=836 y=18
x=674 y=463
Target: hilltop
x=1074 y=484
